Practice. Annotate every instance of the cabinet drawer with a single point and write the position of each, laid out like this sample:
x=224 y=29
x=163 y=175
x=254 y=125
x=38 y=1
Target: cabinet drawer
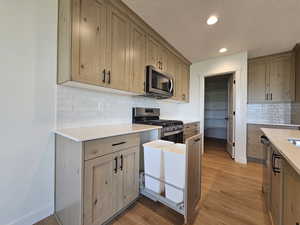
x=96 y=148
x=192 y=126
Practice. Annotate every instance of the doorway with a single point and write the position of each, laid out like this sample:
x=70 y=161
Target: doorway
x=219 y=113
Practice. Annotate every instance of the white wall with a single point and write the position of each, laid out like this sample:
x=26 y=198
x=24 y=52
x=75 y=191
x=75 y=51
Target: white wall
x=27 y=96
x=235 y=63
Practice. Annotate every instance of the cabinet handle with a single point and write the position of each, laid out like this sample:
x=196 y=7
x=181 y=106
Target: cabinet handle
x=116 y=164
x=104 y=75
x=120 y=143
x=183 y=96
x=108 y=74
x=121 y=167
x=198 y=139
x=271 y=96
x=274 y=168
x=96 y=201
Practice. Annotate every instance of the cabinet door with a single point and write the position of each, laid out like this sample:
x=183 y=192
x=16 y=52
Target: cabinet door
x=130 y=166
x=153 y=51
x=185 y=81
x=282 y=78
x=257 y=81
x=276 y=191
x=118 y=49
x=92 y=43
x=138 y=59
x=291 y=196
x=163 y=59
x=98 y=190
x=172 y=71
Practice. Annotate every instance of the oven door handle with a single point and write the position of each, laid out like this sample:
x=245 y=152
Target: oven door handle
x=172 y=132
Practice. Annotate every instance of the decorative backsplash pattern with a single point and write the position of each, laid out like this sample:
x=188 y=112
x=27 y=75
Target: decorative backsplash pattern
x=269 y=113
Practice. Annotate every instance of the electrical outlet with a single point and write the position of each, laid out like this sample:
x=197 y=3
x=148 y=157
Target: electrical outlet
x=100 y=107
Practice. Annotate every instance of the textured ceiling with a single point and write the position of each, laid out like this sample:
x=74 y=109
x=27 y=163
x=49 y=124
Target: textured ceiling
x=260 y=27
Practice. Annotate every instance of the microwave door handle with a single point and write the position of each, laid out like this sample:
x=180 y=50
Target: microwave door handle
x=171 y=89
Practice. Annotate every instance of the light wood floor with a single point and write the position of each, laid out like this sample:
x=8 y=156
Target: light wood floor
x=231 y=195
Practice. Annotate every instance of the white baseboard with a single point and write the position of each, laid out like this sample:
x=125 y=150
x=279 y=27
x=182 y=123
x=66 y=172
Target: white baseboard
x=33 y=217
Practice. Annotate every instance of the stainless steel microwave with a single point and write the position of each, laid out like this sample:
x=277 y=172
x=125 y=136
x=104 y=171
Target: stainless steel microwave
x=158 y=84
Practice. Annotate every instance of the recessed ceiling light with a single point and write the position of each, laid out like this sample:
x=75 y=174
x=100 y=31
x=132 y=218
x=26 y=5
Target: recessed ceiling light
x=212 y=20
x=222 y=50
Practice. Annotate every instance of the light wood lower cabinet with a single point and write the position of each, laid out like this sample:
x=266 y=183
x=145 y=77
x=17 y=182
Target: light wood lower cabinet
x=254 y=147
x=95 y=179
x=283 y=194
x=291 y=196
x=130 y=177
x=276 y=187
x=190 y=130
x=98 y=185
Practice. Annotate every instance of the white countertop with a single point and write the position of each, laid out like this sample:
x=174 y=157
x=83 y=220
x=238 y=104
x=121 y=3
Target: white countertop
x=279 y=138
x=275 y=124
x=81 y=134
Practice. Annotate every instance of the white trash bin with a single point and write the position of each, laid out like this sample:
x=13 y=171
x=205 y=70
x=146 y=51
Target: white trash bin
x=174 y=163
x=153 y=164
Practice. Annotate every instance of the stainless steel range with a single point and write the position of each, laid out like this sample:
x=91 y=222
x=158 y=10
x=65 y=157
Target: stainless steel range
x=172 y=129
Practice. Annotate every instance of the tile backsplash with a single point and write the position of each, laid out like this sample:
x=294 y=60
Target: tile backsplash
x=296 y=113
x=80 y=107
x=269 y=113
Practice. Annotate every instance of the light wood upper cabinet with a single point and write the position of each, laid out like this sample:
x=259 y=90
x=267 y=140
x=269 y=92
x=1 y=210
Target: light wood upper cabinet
x=185 y=82
x=282 y=78
x=90 y=44
x=99 y=195
x=297 y=72
x=272 y=78
x=291 y=196
x=153 y=49
x=257 y=70
x=138 y=62
x=172 y=70
x=182 y=81
x=130 y=159
x=118 y=49
x=104 y=44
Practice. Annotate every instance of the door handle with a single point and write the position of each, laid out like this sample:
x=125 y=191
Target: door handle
x=116 y=164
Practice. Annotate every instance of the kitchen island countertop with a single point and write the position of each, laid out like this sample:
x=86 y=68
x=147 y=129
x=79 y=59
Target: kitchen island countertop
x=279 y=138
